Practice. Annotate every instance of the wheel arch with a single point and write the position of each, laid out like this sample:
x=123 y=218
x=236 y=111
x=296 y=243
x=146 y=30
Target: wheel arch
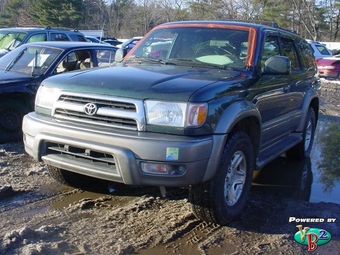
x=242 y=116
x=311 y=101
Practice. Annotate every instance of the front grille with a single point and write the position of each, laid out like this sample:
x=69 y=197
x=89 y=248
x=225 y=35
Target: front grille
x=110 y=112
x=97 y=120
x=102 y=102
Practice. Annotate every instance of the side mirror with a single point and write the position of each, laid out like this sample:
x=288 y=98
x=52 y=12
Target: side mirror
x=120 y=54
x=277 y=65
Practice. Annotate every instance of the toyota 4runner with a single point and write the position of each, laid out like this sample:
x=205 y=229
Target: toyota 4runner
x=199 y=104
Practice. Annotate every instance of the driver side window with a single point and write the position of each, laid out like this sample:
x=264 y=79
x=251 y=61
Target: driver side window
x=37 y=38
x=270 y=48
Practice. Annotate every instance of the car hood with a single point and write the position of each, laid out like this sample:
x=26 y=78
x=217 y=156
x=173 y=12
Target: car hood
x=9 y=78
x=166 y=82
x=3 y=52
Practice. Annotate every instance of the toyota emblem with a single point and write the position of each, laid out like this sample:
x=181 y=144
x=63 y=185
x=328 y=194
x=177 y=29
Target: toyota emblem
x=90 y=109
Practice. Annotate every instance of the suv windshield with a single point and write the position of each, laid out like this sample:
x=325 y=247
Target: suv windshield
x=224 y=47
x=31 y=60
x=10 y=40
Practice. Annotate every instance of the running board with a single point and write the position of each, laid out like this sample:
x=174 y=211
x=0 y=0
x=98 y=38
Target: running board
x=275 y=150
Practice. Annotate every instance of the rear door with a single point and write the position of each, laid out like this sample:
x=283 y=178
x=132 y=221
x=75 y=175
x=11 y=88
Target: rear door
x=298 y=80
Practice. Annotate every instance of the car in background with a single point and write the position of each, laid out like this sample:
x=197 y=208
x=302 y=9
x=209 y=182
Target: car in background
x=93 y=39
x=329 y=68
x=320 y=50
x=113 y=42
x=12 y=37
x=23 y=69
x=130 y=43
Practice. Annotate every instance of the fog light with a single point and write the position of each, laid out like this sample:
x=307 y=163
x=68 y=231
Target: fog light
x=29 y=140
x=162 y=169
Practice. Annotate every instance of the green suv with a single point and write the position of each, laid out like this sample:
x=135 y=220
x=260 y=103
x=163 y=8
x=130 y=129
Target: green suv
x=12 y=37
x=197 y=104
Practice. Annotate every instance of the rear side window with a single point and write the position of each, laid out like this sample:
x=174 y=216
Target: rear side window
x=288 y=50
x=105 y=57
x=59 y=37
x=77 y=37
x=307 y=55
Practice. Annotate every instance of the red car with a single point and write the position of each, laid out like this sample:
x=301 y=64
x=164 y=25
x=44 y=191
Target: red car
x=329 y=67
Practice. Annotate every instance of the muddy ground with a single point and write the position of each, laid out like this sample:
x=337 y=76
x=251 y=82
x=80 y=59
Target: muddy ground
x=40 y=216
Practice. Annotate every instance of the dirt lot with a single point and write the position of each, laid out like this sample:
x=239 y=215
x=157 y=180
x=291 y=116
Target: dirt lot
x=40 y=216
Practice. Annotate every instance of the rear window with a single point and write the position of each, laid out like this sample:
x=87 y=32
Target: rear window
x=59 y=37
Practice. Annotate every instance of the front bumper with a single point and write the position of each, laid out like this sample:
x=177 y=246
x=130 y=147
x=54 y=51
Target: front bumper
x=117 y=156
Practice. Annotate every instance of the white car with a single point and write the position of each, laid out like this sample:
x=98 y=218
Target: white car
x=320 y=50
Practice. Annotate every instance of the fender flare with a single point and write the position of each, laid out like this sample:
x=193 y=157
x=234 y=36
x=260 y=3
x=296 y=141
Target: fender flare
x=232 y=115
x=310 y=97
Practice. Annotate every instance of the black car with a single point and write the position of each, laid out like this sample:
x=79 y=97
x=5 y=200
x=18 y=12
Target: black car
x=12 y=37
x=23 y=69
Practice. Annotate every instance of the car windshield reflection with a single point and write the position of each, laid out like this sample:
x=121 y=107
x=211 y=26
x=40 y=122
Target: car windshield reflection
x=219 y=48
x=31 y=61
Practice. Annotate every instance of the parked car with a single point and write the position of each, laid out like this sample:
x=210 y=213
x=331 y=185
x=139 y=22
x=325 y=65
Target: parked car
x=93 y=39
x=329 y=68
x=320 y=50
x=12 y=37
x=112 y=40
x=130 y=43
x=196 y=104
x=23 y=69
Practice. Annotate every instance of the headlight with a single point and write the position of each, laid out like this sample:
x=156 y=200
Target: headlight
x=46 y=97
x=175 y=114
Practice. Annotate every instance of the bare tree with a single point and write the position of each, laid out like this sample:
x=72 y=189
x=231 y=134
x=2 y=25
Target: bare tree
x=306 y=12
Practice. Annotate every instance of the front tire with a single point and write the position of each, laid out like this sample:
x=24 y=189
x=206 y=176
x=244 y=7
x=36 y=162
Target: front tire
x=221 y=199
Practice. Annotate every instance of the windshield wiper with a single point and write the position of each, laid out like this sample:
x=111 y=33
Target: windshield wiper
x=140 y=60
x=11 y=64
x=35 y=63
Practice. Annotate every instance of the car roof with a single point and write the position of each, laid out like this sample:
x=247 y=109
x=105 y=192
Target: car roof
x=70 y=44
x=26 y=29
x=257 y=24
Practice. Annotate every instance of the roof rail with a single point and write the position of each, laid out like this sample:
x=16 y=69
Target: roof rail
x=265 y=22
x=62 y=28
x=260 y=22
